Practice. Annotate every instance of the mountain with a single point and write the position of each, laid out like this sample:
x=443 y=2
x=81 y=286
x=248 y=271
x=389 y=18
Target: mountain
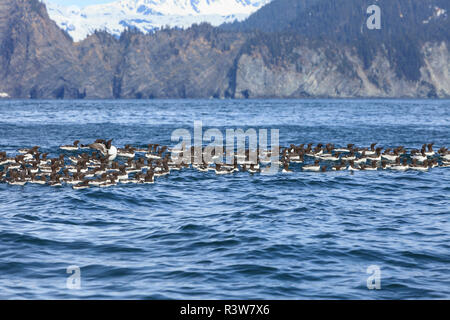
x=148 y=15
x=406 y=27
x=315 y=48
x=344 y=19
x=39 y=60
x=34 y=53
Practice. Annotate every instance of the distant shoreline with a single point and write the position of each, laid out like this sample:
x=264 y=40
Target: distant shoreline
x=234 y=99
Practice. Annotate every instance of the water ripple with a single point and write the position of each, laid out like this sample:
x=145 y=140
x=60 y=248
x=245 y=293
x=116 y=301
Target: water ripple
x=303 y=235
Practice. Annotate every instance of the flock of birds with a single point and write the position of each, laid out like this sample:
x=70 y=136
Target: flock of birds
x=107 y=165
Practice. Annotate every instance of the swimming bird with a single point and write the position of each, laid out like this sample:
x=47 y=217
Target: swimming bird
x=107 y=150
x=369 y=152
x=15 y=182
x=444 y=153
x=149 y=178
x=352 y=166
x=346 y=150
x=317 y=151
x=430 y=151
x=81 y=186
x=38 y=180
x=376 y=156
x=415 y=155
x=339 y=167
x=445 y=164
x=390 y=156
x=122 y=174
x=330 y=157
x=127 y=152
x=111 y=181
x=73 y=147
x=154 y=154
x=286 y=168
x=55 y=180
x=400 y=166
x=31 y=150
x=362 y=159
x=220 y=170
x=253 y=169
x=297 y=156
x=312 y=167
x=433 y=163
x=350 y=156
x=419 y=167
x=372 y=167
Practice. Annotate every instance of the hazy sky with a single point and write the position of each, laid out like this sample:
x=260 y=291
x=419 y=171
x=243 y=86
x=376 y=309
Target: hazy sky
x=80 y=3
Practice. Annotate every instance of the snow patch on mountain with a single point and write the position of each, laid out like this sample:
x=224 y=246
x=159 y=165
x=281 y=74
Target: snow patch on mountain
x=148 y=15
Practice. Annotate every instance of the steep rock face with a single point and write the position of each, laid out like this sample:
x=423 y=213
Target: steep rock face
x=35 y=54
x=436 y=68
x=5 y=9
x=311 y=74
x=340 y=74
x=96 y=70
x=169 y=64
x=180 y=64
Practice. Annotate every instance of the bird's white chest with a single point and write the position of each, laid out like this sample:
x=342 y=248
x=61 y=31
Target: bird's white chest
x=112 y=153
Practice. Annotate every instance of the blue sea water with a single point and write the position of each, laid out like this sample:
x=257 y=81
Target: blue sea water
x=196 y=235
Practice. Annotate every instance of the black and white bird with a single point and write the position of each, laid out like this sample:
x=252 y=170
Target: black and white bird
x=107 y=150
x=73 y=147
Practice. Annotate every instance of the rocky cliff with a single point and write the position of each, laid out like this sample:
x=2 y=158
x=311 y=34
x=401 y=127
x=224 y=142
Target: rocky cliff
x=320 y=73
x=38 y=60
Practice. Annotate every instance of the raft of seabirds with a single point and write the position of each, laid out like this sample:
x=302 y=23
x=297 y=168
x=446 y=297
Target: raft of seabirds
x=141 y=165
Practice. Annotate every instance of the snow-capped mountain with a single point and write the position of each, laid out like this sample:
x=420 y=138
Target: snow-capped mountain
x=148 y=15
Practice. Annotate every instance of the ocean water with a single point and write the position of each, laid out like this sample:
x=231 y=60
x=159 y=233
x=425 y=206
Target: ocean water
x=196 y=235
